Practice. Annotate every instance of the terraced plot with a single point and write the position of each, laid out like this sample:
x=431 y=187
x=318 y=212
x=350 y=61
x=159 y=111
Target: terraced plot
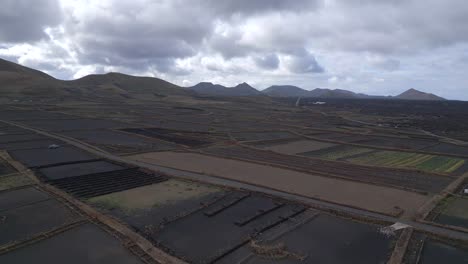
x=418 y=161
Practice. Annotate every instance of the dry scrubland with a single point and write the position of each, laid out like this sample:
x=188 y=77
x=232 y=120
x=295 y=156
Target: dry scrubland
x=354 y=194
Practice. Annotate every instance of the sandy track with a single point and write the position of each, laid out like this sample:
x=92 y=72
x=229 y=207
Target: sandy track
x=360 y=195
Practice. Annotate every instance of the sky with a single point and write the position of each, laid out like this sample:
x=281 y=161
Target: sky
x=380 y=47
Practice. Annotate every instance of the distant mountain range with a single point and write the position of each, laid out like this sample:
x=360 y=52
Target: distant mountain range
x=19 y=82
x=206 y=88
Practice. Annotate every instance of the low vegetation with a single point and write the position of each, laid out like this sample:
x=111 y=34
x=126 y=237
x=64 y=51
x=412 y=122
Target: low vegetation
x=432 y=163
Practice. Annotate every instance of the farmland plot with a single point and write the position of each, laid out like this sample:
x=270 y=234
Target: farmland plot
x=418 y=161
x=345 y=192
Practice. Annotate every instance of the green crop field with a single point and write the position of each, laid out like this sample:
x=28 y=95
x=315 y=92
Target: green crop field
x=432 y=163
x=338 y=153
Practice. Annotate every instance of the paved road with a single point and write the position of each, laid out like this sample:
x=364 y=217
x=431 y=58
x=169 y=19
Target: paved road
x=235 y=184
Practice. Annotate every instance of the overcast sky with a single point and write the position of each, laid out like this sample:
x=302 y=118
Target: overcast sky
x=371 y=46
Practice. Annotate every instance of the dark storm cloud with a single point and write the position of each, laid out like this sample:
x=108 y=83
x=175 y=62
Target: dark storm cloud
x=398 y=26
x=25 y=21
x=152 y=33
x=260 y=6
x=269 y=62
x=145 y=33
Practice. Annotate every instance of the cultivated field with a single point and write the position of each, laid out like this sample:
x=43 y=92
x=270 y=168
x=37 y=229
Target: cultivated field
x=399 y=178
x=299 y=146
x=335 y=190
x=396 y=159
x=337 y=153
x=418 y=161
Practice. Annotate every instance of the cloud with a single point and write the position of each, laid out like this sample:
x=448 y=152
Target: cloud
x=260 y=6
x=25 y=21
x=140 y=34
x=270 y=61
x=416 y=42
x=302 y=62
x=383 y=63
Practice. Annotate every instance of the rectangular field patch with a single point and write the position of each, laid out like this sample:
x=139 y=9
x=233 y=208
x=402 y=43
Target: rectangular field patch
x=426 y=162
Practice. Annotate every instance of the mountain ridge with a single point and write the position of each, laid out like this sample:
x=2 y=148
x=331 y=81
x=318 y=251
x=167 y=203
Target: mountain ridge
x=18 y=81
x=208 y=88
x=294 y=91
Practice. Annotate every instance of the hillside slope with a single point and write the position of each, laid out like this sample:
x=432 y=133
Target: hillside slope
x=23 y=83
x=413 y=94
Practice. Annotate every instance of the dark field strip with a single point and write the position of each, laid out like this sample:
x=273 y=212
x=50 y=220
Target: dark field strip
x=77 y=169
x=97 y=184
x=272 y=135
x=33 y=144
x=73 y=124
x=46 y=157
x=119 y=142
x=448 y=149
x=12 y=130
x=11 y=138
x=406 y=179
x=273 y=142
x=188 y=139
x=31 y=115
